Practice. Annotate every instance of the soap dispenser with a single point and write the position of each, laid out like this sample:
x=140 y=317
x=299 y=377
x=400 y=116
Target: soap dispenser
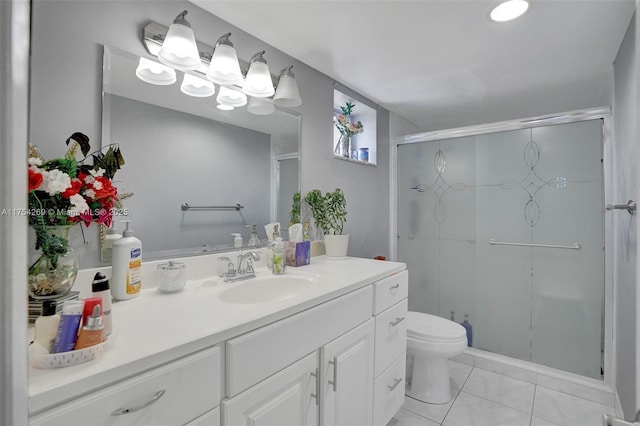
x=254 y=241
x=278 y=256
x=237 y=240
x=127 y=266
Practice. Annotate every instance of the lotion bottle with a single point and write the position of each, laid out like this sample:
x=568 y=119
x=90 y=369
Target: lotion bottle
x=127 y=266
x=47 y=326
x=92 y=332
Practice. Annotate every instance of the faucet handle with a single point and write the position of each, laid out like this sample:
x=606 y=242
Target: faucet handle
x=225 y=267
x=250 y=269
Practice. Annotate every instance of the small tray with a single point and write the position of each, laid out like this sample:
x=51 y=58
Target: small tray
x=67 y=359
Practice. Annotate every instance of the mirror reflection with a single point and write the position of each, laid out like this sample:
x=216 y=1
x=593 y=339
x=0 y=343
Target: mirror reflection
x=182 y=149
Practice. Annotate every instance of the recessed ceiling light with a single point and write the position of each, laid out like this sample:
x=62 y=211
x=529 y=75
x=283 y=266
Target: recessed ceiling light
x=509 y=10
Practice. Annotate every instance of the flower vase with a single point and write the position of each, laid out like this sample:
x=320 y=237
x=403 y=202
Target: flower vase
x=54 y=272
x=343 y=147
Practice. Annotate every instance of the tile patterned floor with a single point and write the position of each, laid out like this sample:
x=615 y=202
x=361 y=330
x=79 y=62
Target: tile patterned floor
x=487 y=398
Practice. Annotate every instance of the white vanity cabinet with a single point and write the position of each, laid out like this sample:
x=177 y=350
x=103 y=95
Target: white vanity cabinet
x=177 y=393
x=346 y=378
x=390 y=312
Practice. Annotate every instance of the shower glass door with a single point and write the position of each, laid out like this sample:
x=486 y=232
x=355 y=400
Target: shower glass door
x=507 y=230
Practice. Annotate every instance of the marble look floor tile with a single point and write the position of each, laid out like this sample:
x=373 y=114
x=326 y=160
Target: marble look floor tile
x=458 y=373
x=586 y=392
x=535 y=421
x=470 y=410
x=504 y=390
x=435 y=412
x=564 y=409
x=407 y=418
x=505 y=369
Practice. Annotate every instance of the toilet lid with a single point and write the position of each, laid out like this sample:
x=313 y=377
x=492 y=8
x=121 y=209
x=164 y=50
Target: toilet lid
x=430 y=327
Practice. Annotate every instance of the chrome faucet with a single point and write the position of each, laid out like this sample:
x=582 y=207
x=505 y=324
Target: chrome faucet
x=244 y=270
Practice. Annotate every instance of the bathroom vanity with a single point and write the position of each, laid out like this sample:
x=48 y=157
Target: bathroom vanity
x=322 y=344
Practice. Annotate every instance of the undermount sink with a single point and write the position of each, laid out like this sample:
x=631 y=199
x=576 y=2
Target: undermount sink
x=267 y=289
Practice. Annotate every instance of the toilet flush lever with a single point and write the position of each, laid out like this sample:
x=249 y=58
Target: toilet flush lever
x=397 y=321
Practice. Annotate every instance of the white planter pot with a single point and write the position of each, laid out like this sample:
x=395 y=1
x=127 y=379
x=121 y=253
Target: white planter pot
x=336 y=246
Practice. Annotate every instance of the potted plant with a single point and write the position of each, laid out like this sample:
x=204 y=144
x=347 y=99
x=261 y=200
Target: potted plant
x=329 y=214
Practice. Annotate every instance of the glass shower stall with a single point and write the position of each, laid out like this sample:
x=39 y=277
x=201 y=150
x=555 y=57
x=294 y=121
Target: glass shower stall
x=506 y=230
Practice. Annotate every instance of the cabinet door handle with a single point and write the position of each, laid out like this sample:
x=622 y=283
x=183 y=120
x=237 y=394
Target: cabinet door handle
x=317 y=394
x=395 y=384
x=396 y=322
x=334 y=382
x=393 y=287
x=121 y=411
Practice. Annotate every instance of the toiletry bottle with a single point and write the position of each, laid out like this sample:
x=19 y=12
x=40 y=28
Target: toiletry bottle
x=276 y=234
x=47 y=326
x=100 y=288
x=469 y=329
x=67 y=332
x=253 y=241
x=237 y=240
x=87 y=311
x=106 y=249
x=92 y=332
x=306 y=234
x=127 y=266
x=278 y=257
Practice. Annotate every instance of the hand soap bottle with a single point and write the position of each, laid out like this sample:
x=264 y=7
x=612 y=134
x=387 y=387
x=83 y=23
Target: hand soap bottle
x=127 y=266
x=278 y=257
x=253 y=241
x=237 y=240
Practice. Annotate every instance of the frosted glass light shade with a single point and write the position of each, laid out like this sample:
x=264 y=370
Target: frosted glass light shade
x=261 y=106
x=287 y=93
x=198 y=87
x=224 y=107
x=509 y=10
x=258 y=82
x=224 y=68
x=231 y=97
x=179 y=49
x=155 y=73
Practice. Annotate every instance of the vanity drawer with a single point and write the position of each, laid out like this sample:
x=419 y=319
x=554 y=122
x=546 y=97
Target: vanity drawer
x=389 y=291
x=391 y=335
x=191 y=388
x=388 y=391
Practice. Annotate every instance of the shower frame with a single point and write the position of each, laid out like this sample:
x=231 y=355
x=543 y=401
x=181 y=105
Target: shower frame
x=603 y=113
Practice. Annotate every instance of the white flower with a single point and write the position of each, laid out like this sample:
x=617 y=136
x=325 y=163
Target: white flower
x=33 y=161
x=78 y=204
x=89 y=179
x=97 y=185
x=55 y=181
x=99 y=172
x=90 y=193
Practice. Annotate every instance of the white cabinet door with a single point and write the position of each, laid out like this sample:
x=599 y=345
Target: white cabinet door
x=288 y=398
x=347 y=378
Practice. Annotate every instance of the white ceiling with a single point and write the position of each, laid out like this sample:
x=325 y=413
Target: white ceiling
x=443 y=63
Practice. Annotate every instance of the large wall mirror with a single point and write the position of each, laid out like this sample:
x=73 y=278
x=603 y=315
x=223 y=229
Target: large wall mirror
x=182 y=149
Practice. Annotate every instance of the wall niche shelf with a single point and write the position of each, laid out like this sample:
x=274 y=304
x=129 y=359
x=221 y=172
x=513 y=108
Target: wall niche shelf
x=361 y=142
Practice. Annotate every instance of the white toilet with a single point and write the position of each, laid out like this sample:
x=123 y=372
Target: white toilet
x=431 y=340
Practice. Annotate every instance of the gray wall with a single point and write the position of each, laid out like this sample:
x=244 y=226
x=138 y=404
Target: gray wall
x=625 y=163
x=65 y=97
x=173 y=157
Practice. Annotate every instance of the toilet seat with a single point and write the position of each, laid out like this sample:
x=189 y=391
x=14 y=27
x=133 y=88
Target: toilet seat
x=431 y=328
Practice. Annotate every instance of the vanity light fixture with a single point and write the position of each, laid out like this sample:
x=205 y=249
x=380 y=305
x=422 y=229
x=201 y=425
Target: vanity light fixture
x=224 y=107
x=509 y=10
x=196 y=86
x=261 y=106
x=231 y=97
x=224 y=68
x=258 y=82
x=287 y=93
x=179 y=49
x=155 y=73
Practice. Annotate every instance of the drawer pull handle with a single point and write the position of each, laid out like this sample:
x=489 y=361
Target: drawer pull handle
x=395 y=384
x=317 y=394
x=393 y=287
x=396 y=322
x=121 y=411
x=334 y=382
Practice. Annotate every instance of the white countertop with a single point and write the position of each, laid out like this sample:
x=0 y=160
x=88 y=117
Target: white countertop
x=156 y=328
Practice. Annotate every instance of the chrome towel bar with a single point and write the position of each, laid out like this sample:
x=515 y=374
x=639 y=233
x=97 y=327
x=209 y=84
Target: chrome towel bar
x=187 y=206
x=630 y=207
x=574 y=246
